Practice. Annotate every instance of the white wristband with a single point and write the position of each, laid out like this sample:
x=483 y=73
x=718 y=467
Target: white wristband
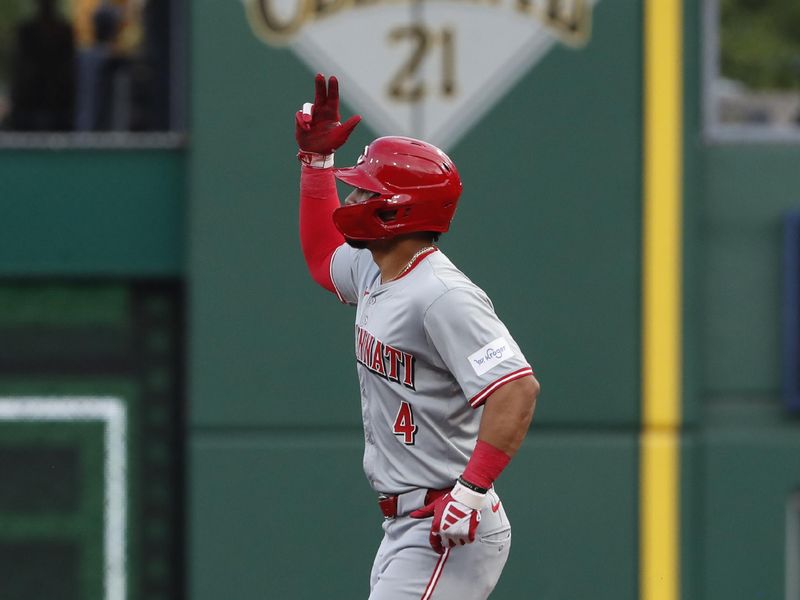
x=314 y=160
x=475 y=500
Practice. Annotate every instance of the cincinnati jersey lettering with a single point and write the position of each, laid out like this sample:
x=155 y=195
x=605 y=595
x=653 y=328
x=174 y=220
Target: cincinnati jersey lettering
x=383 y=359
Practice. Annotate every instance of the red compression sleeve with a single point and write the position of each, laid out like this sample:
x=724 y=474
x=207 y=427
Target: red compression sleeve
x=319 y=237
x=485 y=465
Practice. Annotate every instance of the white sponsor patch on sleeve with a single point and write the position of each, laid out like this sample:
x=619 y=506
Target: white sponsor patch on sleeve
x=491 y=355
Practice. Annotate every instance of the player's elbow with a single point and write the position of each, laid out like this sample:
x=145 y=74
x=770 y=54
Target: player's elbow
x=533 y=387
x=319 y=267
x=519 y=401
x=322 y=278
x=528 y=392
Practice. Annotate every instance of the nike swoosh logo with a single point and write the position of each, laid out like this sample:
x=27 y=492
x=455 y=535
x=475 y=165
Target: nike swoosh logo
x=495 y=507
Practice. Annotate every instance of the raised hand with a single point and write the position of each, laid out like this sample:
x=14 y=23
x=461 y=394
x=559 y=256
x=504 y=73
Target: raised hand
x=322 y=132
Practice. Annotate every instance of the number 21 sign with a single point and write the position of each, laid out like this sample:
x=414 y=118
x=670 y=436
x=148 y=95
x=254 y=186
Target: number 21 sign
x=424 y=68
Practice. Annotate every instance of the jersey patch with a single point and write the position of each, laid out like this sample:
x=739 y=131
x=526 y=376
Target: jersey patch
x=491 y=355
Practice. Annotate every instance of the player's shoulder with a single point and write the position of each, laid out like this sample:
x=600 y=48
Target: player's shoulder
x=354 y=262
x=444 y=284
x=356 y=256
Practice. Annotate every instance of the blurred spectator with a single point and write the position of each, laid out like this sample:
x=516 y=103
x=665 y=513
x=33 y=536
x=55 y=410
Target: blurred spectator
x=42 y=72
x=152 y=83
x=100 y=75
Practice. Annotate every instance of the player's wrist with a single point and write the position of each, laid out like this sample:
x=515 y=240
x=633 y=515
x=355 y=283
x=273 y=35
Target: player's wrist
x=471 y=486
x=485 y=465
x=468 y=494
x=315 y=160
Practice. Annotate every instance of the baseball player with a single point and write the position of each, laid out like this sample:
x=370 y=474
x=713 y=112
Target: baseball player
x=446 y=393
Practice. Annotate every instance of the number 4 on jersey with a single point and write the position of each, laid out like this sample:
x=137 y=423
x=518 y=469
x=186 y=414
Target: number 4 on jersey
x=404 y=424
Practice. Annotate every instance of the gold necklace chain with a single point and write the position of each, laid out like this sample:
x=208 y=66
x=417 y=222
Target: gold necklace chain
x=417 y=254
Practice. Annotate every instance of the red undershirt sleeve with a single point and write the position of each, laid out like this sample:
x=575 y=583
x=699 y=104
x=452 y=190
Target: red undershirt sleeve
x=319 y=237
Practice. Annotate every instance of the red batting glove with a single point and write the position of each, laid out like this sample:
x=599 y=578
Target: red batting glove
x=323 y=132
x=456 y=516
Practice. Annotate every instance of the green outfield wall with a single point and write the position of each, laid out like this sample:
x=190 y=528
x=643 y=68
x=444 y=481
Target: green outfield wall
x=83 y=212
x=741 y=447
x=172 y=280
x=548 y=225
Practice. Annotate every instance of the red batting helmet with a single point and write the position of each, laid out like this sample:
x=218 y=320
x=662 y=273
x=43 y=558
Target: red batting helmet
x=417 y=185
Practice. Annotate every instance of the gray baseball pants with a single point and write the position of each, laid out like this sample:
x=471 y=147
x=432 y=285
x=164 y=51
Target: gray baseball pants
x=407 y=568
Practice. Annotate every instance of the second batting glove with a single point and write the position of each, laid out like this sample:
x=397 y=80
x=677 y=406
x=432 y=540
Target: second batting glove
x=456 y=516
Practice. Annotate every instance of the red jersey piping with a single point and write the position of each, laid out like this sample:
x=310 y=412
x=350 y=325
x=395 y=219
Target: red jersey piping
x=481 y=396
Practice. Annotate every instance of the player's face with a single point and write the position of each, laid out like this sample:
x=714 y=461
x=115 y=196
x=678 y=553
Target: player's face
x=358 y=195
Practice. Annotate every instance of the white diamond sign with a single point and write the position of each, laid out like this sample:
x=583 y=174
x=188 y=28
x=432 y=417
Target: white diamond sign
x=427 y=68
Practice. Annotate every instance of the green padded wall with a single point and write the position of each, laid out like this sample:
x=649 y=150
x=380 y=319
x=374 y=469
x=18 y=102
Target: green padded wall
x=261 y=530
x=552 y=177
x=750 y=475
x=92 y=213
x=555 y=191
x=548 y=226
x=746 y=190
x=740 y=452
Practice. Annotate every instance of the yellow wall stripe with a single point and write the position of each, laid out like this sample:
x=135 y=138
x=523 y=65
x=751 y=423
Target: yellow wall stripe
x=659 y=575
x=662 y=215
x=661 y=338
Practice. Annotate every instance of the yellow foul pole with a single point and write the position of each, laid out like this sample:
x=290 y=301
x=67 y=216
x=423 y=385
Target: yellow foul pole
x=659 y=542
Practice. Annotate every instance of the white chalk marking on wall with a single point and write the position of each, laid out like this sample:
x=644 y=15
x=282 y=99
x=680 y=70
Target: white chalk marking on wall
x=112 y=413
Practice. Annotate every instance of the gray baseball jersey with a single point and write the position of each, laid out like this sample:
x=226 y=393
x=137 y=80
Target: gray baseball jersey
x=429 y=350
